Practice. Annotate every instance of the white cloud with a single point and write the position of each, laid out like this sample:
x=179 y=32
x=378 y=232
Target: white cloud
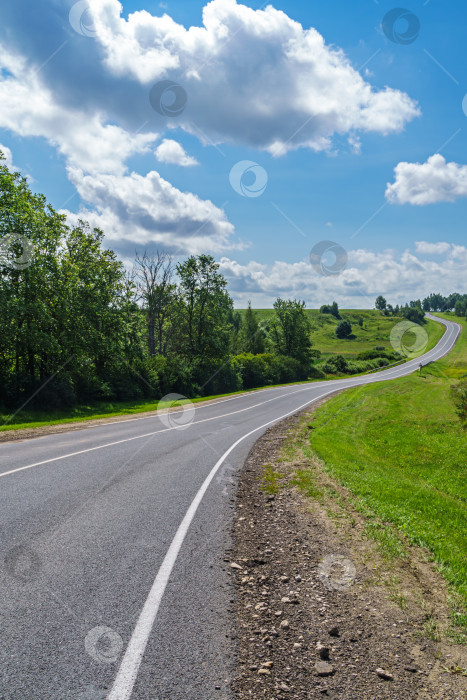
x=432 y=248
x=428 y=183
x=170 y=151
x=29 y=108
x=399 y=277
x=130 y=208
x=142 y=210
x=253 y=77
x=8 y=157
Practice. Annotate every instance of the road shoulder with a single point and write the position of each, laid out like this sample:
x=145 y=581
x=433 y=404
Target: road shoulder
x=319 y=611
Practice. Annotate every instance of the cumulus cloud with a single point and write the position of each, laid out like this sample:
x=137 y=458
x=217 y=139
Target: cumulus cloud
x=141 y=210
x=433 y=248
x=170 y=151
x=29 y=108
x=8 y=157
x=399 y=277
x=286 y=88
x=131 y=208
x=428 y=183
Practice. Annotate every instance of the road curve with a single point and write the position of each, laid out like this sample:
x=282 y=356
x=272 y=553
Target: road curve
x=112 y=583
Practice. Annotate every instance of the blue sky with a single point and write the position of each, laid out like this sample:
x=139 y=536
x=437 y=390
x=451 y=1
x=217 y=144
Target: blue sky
x=318 y=96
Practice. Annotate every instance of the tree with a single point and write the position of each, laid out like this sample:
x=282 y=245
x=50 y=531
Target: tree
x=290 y=330
x=460 y=308
x=413 y=313
x=344 y=329
x=380 y=303
x=155 y=288
x=335 y=310
x=206 y=307
x=251 y=338
x=332 y=309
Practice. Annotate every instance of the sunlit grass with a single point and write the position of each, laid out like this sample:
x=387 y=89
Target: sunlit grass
x=400 y=449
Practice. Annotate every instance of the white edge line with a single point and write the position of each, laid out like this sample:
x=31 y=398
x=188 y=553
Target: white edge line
x=128 y=671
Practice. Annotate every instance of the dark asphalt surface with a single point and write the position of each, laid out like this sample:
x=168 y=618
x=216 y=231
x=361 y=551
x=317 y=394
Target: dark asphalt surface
x=84 y=534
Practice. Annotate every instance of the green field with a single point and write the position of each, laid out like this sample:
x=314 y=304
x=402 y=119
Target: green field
x=400 y=449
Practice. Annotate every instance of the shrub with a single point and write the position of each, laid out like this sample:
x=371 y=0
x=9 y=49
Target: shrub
x=459 y=395
x=344 y=329
x=335 y=365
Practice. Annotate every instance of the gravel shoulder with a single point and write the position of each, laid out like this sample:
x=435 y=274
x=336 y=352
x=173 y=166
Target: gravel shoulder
x=319 y=610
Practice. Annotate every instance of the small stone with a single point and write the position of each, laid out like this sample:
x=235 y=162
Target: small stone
x=278 y=613
x=285 y=624
x=284 y=579
x=322 y=668
x=384 y=674
x=298 y=578
x=285 y=600
x=233 y=565
x=334 y=631
x=285 y=688
x=264 y=672
x=268 y=664
x=412 y=669
x=322 y=650
x=297 y=645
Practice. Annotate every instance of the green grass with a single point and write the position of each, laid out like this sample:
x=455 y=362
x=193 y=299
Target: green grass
x=400 y=449
x=375 y=331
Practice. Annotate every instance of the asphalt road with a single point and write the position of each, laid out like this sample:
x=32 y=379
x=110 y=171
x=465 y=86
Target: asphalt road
x=112 y=581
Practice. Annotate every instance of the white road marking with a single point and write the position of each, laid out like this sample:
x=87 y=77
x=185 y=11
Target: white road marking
x=128 y=671
x=383 y=376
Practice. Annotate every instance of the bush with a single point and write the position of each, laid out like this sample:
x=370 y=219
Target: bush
x=344 y=329
x=315 y=373
x=459 y=395
x=335 y=365
x=373 y=354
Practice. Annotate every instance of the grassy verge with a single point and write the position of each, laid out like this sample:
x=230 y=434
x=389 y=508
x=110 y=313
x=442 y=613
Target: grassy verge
x=399 y=448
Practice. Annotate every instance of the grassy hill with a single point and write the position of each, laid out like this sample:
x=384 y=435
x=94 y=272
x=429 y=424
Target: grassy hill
x=374 y=331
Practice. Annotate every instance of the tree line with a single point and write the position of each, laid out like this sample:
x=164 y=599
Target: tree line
x=415 y=310
x=76 y=325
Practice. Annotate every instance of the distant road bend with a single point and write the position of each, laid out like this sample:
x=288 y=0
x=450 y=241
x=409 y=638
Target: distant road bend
x=112 y=583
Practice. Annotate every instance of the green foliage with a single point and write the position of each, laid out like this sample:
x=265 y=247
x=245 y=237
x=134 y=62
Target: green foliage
x=344 y=329
x=204 y=329
x=380 y=303
x=333 y=309
x=290 y=330
x=251 y=337
x=459 y=395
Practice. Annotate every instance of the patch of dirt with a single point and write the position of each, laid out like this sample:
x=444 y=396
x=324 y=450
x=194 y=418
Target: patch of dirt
x=312 y=609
